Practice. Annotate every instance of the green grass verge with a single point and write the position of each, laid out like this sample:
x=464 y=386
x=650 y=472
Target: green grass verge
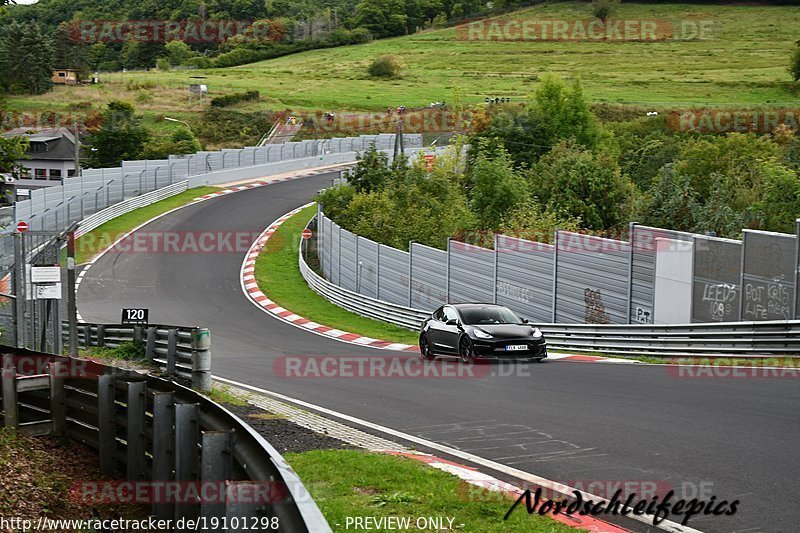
x=354 y=483
x=97 y=240
x=279 y=278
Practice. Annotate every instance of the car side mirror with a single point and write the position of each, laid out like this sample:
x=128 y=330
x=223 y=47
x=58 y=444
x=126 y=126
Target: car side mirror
x=525 y=321
x=452 y=322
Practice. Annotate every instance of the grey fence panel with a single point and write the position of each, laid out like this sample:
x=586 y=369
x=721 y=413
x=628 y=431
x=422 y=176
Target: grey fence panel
x=347 y=260
x=525 y=277
x=367 y=267
x=768 y=275
x=642 y=267
x=471 y=273
x=393 y=275
x=797 y=271
x=428 y=277
x=592 y=279
x=323 y=244
x=716 y=279
x=335 y=275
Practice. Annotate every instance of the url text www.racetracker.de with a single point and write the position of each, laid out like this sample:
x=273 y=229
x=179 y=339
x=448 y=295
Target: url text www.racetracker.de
x=682 y=509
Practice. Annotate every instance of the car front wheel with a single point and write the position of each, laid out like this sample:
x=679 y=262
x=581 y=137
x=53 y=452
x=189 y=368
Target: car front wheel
x=466 y=351
x=425 y=350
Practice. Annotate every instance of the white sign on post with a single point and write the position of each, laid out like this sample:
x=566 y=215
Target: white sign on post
x=46 y=274
x=50 y=291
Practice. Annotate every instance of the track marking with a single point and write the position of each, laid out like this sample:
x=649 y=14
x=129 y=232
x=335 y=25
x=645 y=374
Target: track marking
x=559 y=488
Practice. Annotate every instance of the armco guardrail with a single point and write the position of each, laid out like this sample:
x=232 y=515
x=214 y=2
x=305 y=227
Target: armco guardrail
x=154 y=430
x=768 y=338
x=101 y=217
x=179 y=350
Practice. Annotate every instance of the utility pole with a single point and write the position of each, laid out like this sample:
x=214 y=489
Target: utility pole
x=77 y=155
x=402 y=143
x=72 y=306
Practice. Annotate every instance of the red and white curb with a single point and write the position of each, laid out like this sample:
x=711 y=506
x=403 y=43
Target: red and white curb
x=257 y=297
x=475 y=477
x=263 y=183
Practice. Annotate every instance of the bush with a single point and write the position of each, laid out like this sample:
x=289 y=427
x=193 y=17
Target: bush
x=386 y=66
x=235 y=98
x=199 y=62
x=583 y=185
x=162 y=63
x=603 y=9
x=794 y=66
x=495 y=187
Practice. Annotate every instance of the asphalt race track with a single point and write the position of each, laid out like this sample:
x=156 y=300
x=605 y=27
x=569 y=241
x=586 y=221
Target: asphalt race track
x=570 y=422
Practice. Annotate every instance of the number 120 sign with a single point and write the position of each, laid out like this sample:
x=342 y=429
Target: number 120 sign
x=134 y=316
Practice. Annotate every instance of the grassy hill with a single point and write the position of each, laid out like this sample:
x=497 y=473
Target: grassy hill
x=742 y=63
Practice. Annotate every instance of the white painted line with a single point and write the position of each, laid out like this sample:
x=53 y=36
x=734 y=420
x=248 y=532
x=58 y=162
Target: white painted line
x=560 y=488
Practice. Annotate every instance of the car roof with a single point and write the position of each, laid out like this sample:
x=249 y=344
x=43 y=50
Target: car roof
x=475 y=306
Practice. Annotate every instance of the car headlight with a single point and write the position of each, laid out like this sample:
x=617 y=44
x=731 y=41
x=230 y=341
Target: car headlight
x=482 y=334
x=536 y=333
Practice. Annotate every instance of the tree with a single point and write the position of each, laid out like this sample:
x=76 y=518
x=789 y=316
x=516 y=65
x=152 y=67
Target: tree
x=532 y=221
x=26 y=59
x=182 y=141
x=671 y=202
x=559 y=113
x=495 y=187
x=177 y=52
x=583 y=185
x=12 y=150
x=383 y=18
x=70 y=53
x=372 y=171
x=121 y=137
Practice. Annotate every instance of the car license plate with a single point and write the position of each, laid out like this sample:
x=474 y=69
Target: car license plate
x=516 y=347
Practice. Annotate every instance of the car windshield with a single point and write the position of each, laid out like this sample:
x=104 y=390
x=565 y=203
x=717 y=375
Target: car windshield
x=489 y=315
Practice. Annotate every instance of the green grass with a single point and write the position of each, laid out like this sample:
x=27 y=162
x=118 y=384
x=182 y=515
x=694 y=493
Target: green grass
x=222 y=394
x=743 y=63
x=279 y=278
x=100 y=238
x=353 y=483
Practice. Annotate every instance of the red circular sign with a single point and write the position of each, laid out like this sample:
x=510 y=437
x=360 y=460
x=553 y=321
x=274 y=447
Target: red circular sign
x=306 y=233
x=22 y=226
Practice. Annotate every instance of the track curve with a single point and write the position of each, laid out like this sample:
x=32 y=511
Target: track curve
x=734 y=438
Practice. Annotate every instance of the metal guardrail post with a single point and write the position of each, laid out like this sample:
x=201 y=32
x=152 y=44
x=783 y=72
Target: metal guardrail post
x=10 y=406
x=201 y=359
x=163 y=447
x=101 y=334
x=240 y=504
x=172 y=351
x=87 y=335
x=58 y=405
x=216 y=466
x=150 y=344
x=137 y=333
x=106 y=423
x=135 y=433
x=187 y=436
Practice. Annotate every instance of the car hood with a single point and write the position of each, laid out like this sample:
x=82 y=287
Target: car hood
x=507 y=331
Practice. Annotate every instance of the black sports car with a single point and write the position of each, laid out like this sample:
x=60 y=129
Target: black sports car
x=480 y=330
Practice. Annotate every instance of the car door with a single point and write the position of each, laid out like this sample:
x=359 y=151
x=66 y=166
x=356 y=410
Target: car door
x=448 y=336
x=435 y=325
